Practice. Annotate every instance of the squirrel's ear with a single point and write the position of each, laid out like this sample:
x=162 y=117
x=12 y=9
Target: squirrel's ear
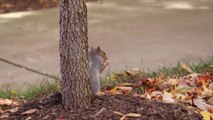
x=98 y=48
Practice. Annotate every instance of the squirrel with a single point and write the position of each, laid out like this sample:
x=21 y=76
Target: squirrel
x=97 y=63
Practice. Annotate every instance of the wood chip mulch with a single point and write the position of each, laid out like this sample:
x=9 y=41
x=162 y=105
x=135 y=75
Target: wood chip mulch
x=104 y=108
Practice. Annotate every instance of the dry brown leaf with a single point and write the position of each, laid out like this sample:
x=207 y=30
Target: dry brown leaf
x=31 y=111
x=8 y=102
x=210 y=110
x=127 y=84
x=135 y=115
x=186 y=67
x=123 y=117
x=210 y=101
x=206 y=91
x=211 y=85
x=6 y=115
x=128 y=89
x=167 y=97
x=29 y=118
x=201 y=104
x=13 y=110
x=172 y=81
x=117 y=113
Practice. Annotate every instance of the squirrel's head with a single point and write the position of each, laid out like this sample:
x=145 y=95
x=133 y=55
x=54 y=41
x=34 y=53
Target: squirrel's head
x=101 y=53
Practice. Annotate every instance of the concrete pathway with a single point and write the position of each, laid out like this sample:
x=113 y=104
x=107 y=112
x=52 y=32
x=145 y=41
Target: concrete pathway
x=157 y=32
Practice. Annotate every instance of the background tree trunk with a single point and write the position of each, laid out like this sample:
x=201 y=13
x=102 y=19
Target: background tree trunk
x=75 y=87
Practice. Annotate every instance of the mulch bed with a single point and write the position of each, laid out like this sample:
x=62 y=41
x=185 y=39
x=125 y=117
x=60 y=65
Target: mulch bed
x=7 y=6
x=50 y=108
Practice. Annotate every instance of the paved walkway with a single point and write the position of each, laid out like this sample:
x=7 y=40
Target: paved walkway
x=159 y=32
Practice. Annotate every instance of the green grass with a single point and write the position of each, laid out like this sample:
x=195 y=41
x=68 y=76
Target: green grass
x=198 y=66
x=32 y=91
x=46 y=87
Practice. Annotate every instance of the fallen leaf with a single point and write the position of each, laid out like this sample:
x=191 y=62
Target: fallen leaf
x=135 y=115
x=210 y=101
x=128 y=89
x=155 y=93
x=100 y=93
x=167 y=97
x=186 y=67
x=8 y=102
x=172 y=81
x=29 y=118
x=127 y=84
x=113 y=90
x=112 y=78
x=118 y=113
x=206 y=91
x=206 y=115
x=123 y=117
x=204 y=77
x=211 y=85
x=183 y=89
x=6 y=115
x=182 y=83
x=210 y=110
x=201 y=104
x=13 y=110
x=31 y=111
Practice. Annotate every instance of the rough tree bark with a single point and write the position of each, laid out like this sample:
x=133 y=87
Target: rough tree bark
x=75 y=87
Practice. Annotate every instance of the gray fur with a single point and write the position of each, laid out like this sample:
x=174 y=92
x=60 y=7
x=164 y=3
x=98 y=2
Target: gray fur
x=95 y=68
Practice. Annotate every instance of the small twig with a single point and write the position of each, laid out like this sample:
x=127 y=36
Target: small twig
x=26 y=68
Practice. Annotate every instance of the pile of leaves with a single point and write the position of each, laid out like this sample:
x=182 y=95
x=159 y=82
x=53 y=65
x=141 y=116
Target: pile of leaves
x=193 y=90
x=149 y=98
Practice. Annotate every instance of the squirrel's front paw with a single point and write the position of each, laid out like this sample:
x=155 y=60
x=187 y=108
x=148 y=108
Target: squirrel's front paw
x=106 y=63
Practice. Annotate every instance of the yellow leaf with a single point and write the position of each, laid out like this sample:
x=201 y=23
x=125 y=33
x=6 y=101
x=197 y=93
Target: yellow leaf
x=186 y=67
x=183 y=89
x=113 y=90
x=112 y=77
x=206 y=115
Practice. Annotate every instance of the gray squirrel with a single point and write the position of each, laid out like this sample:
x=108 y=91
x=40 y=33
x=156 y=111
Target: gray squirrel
x=97 y=63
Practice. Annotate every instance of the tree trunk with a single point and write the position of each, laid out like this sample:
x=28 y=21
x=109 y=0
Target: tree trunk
x=75 y=87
